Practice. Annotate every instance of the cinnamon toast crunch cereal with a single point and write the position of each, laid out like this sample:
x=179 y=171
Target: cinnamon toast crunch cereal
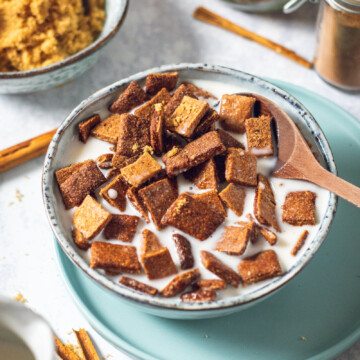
x=86 y=126
x=299 y=208
x=155 y=82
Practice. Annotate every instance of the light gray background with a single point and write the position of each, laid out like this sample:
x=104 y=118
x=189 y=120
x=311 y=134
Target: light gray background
x=155 y=32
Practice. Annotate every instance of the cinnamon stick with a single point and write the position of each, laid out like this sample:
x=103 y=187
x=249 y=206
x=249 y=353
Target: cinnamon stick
x=209 y=17
x=25 y=151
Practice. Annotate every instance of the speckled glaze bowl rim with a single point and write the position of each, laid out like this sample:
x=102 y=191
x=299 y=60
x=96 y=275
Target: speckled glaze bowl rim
x=92 y=48
x=173 y=304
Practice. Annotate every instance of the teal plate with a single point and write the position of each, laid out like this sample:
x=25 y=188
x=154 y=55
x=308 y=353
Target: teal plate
x=316 y=316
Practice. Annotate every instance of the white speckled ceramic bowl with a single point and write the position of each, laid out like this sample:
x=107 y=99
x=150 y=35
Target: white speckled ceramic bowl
x=173 y=308
x=71 y=67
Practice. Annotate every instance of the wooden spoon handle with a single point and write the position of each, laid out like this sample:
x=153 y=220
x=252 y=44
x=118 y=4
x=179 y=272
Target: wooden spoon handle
x=25 y=151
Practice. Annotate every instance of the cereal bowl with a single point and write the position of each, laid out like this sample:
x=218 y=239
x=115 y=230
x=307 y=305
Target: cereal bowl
x=211 y=78
x=71 y=67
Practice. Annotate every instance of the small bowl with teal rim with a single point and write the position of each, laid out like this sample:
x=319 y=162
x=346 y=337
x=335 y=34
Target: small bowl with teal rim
x=72 y=66
x=223 y=78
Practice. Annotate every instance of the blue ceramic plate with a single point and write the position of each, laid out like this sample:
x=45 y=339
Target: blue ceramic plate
x=316 y=316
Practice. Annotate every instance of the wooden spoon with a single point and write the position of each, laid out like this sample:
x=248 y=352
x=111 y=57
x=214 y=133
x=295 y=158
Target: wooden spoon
x=295 y=159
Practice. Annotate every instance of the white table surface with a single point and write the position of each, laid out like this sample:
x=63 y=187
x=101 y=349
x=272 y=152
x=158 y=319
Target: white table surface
x=155 y=32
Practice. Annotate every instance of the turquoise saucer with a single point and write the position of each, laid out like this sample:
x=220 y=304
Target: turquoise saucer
x=316 y=316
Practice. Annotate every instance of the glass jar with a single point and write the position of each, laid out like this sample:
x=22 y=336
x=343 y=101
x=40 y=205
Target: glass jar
x=337 y=57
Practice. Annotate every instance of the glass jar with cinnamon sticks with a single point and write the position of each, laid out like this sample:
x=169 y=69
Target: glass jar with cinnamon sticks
x=337 y=57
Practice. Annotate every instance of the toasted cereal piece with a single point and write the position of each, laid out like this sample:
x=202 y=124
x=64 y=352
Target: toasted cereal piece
x=213 y=264
x=86 y=345
x=147 y=110
x=183 y=248
x=137 y=285
x=134 y=135
x=194 y=153
x=199 y=92
x=90 y=218
x=234 y=198
x=264 y=203
x=179 y=283
x=115 y=193
x=155 y=82
x=175 y=101
x=121 y=227
x=64 y=351
x=200 y=295
x=149 y=243
x=210 y=284
x=228 y=140
x=269 y=236
x=262 y=266
x=207 y=123
x=133 y=96
x=81 y=183
x=157 y=130
x=187 y=116
x=158 y=264
x=108 y=129
x=241 y=167
x=204 y=176
x=79 y=240
x=137 y=202
x=235 y=240
x=212 y=200
x=113 y=258
x=258 y=134
x=143 y=169
x=300 y=243
x=158 y=197
x=105 y=161
x=193 y=216
x=299 y=208
x=234 y=110
x=86 y=126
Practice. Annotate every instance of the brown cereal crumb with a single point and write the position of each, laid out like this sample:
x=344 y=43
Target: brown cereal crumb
x=133 y=96
x=19 y=297
x=200 y=295
x=79 y=240
x=137 y=202
x=183 y=248
x=180 y=282
x=234 y=198
x=300 y=243
x=224 y=272
x=299 y=208
x=234 y=110
x=121 y=227
x=258 y=134
x=108 y=129
x=86 y=126
x=158 y=264
x=90 y=218
x=262 y=266
x=19 y=196
x=114 y=258
x=115 y=193
x=204 y=176
x=155 y=82
x=234 y=240
x=137 y=285
x=210 y=284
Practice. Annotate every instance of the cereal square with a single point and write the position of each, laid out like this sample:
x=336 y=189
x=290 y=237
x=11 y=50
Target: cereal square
x=234 y=110
x=212 y=200
x=262 y=266
x=200 y=295
x=187 y=116
x=133 y=96
x=241 y=167
x=179 y=283
x=158 y=264
x=299 y=208
x=137 y=202
x=233 y=197
x=176 y=99
x=143 y=169
x=224 y=272
x=86 y=126
x=90 y=218
x=149 y=243
x=234 y=240
x=264 y=203
x=258 y=134
x=204 y=176
x=81 y=183
x=108 y=129
x=158 y=197
x=155 y=82
x=138 y=286
x=157 y=130
x=121 y=227
x=183 y=249
x=115 y=193
x=114 y=259
x=193 y=216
